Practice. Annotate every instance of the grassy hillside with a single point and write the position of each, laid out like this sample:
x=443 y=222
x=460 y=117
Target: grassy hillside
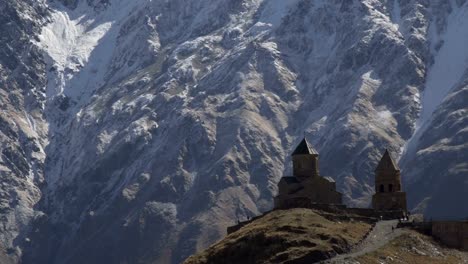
x=415 y=248
x=285 y=236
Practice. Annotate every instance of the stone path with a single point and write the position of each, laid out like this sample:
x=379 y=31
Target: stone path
x=380 y=235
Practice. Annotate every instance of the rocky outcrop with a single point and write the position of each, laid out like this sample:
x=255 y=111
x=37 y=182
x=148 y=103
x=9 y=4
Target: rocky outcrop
x=23 y=132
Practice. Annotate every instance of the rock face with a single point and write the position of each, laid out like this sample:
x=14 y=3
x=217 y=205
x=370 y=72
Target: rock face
x=23 y=130
x=152 y=125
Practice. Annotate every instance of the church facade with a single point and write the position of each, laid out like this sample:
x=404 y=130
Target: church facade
x=306 y=184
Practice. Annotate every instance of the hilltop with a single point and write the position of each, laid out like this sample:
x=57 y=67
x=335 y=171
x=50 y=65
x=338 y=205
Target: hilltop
x=286 y=236
x=311 y=236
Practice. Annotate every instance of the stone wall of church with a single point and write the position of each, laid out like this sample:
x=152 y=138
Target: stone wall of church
x=389 y=180
x=320 y=190
x=389 y=201
x=452 y=233
x=305 y=166
x=313 y=189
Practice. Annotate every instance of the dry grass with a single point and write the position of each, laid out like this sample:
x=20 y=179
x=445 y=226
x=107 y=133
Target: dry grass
x=414 y=248
x=285 y=236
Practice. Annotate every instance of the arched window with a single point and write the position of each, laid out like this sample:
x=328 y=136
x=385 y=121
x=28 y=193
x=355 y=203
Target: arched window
x=390 y=187
x=382 y=188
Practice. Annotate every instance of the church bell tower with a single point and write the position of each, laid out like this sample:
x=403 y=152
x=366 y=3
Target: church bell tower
x=388 y=192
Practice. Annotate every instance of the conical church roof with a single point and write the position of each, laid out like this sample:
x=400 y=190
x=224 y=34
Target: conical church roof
x=304 y=148
x=387 y=163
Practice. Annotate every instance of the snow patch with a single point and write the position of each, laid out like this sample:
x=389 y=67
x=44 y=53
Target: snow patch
x=396 y=13
x=272 y=16
x=105 y=138
x=385 y=117
x=449 y=67
x=68 y=42
x=79 y=45
x=275 y=10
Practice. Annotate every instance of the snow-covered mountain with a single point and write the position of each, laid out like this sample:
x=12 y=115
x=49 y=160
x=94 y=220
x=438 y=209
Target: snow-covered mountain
x=136 y=131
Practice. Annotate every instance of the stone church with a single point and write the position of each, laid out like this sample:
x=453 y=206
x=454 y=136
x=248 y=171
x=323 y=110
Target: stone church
x=388 y=193
x=306 y=187
x=306 y=182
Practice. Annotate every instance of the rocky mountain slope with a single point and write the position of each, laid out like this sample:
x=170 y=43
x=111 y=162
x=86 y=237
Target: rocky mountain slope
x=150 y=126
x=23 y=129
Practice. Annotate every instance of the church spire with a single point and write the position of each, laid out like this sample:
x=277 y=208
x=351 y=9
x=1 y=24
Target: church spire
x=387 y=163
x=304 y=148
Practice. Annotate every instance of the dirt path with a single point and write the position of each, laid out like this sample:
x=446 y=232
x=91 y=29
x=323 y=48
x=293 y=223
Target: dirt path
x=380 y=235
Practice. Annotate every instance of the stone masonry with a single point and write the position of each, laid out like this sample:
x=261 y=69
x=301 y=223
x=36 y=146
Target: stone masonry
x=306 y=182
x=388 y=191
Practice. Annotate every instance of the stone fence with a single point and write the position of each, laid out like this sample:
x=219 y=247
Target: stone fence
x=451 y=233
x=301 y=202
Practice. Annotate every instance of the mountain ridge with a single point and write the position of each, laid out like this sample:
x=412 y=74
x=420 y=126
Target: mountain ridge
x=175 y=118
